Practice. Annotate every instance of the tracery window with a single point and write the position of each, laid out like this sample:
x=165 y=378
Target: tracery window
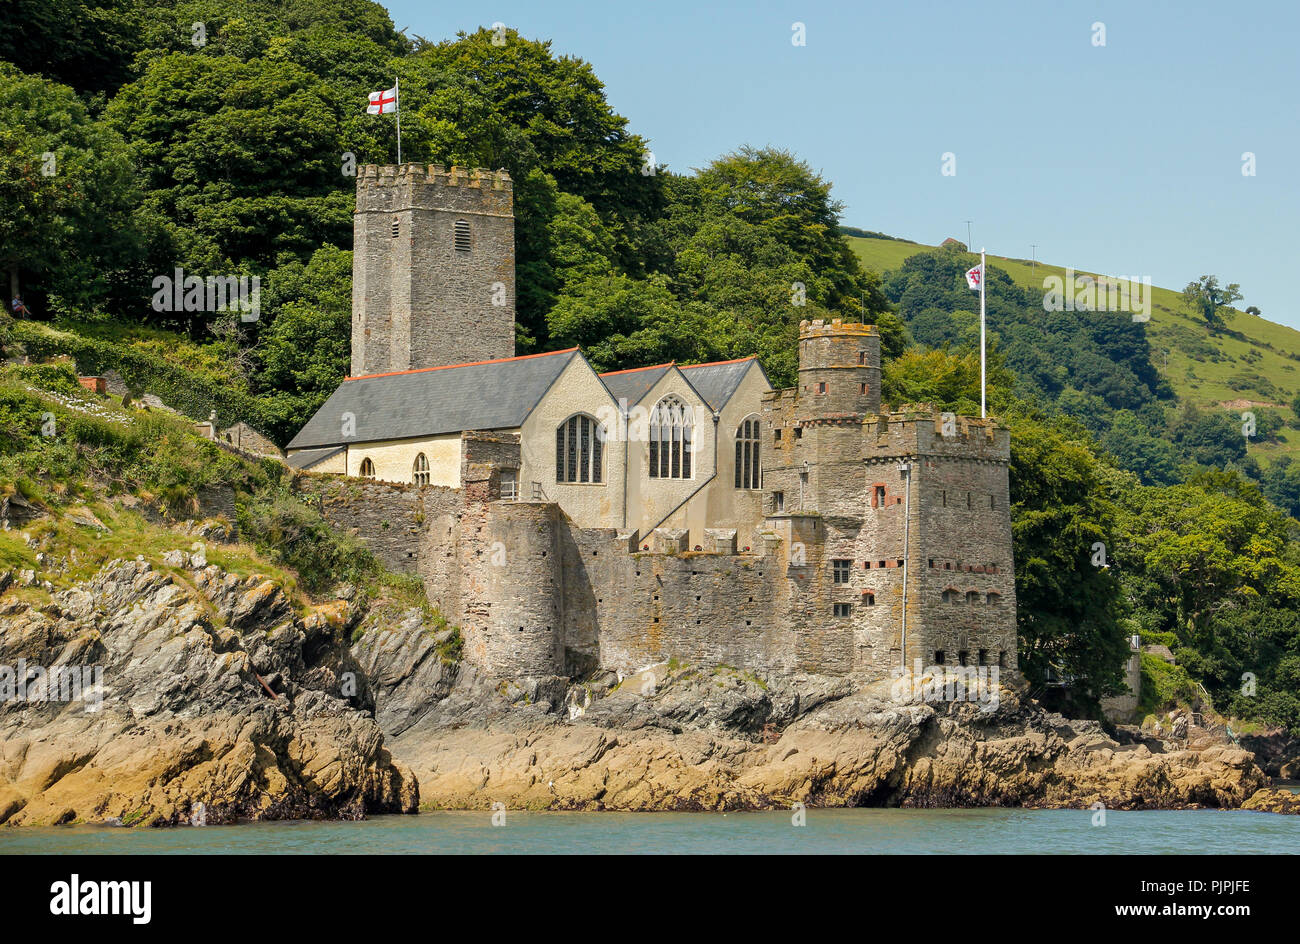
x=672 y=430
x=579 y=452
x=748 y=469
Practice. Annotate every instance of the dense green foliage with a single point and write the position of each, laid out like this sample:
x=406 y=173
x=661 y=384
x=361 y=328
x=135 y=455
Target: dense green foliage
x=67 y=192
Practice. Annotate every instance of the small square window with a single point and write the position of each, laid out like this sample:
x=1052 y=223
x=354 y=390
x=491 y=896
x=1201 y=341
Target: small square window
x=776 y=435
x=840 y=570
x=778 y=502
x=821 y=387
x=843 y=610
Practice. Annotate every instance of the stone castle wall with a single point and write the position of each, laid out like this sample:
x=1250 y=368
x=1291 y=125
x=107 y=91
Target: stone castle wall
x=536 y=595
x=860 y=504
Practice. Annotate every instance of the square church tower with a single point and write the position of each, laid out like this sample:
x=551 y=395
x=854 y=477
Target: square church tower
x=433 y=270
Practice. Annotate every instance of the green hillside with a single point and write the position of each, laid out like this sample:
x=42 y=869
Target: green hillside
x=1253 y=360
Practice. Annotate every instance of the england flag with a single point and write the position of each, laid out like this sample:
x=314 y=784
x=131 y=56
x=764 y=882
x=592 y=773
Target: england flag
x=383 y=103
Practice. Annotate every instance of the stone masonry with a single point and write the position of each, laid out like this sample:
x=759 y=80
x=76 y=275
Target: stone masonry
x=884 y=541
x=433 y=278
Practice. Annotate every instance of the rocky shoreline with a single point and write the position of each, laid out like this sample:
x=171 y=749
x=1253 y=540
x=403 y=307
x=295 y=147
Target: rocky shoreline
x=218 y=703
x=222 y=701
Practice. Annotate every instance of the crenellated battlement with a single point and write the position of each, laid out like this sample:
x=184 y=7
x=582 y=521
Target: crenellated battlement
x=821 y=328
x=919 y=429
x=380 y=175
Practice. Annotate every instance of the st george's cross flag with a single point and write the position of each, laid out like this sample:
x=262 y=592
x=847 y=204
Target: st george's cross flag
x=383 y=103
x=974 y=277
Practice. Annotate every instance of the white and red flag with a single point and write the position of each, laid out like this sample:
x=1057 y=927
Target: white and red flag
x=975 y=276
x=383 y=103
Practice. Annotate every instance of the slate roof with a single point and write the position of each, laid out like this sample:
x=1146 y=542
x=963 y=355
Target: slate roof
x=717 y=382
x=310 y=457
x=634 y=384
x=407 y=404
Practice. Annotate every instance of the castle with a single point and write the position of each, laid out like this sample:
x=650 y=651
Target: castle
x=568 y=520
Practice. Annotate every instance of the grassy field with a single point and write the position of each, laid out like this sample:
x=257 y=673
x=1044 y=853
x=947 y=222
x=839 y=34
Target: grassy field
x=1253 y=360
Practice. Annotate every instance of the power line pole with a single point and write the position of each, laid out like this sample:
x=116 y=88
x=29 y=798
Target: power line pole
x=1033 y=264
x=968 y=222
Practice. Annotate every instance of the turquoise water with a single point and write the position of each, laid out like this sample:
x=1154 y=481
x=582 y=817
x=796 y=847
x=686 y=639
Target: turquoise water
x=876 y=832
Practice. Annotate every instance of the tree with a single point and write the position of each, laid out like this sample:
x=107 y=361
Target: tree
x=1205 y=297
x=1210 y=439
x=67 y=188
x=1209 y=547
x=1140 y=448
x=1281 y=484
x=87 y=44
x=303 y=351
x=949 y=381
x=783 y=197
x=242 y=161
x=619 y=320
x=1097 y=353
x=1067 y=604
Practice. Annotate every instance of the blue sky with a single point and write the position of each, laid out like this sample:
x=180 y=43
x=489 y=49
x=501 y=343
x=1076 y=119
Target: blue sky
x=1124 y=159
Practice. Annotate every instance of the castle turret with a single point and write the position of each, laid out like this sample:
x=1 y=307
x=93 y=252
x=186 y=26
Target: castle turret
x=433 y=278
x=839 y=369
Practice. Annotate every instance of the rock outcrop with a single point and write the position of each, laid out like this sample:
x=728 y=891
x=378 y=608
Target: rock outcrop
x=721 y=740
x=1273 y=800
x=217 y=701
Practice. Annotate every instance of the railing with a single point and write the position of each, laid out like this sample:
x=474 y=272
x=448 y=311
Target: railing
x=539 y=493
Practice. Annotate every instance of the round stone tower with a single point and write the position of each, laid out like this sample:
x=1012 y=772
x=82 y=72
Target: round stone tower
x=839 y=369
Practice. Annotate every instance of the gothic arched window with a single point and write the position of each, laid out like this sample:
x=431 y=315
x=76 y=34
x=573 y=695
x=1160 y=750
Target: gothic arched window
x=367 y=469
x=420 y=471
x=672 y=434
x=747 y=465
x=578 y=450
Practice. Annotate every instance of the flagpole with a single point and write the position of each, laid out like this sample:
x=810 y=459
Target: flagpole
x=984 y=277
x=397 y=104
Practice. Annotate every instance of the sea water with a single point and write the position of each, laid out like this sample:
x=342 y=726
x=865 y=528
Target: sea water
x=858 y=831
